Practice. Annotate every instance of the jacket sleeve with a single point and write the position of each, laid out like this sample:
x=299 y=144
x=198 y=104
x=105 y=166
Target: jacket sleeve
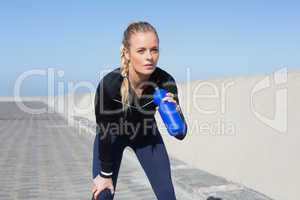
x=170 y=86
x=102 y=158
x=96 y=159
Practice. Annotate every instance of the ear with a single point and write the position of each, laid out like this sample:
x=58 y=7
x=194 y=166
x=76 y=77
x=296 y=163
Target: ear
x=127 y=55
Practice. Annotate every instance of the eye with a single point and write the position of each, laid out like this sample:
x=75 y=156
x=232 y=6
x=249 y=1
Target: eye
x=155 y=50
x=140 y=51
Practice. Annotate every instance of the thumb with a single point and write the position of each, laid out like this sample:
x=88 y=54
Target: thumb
x=96 y=194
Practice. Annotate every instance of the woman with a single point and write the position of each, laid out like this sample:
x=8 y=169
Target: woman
x=124 y=111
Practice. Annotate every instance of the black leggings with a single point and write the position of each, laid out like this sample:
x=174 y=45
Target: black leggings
x=152 y=155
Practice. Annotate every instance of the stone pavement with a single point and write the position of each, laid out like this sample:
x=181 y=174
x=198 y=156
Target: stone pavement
x=43 y=158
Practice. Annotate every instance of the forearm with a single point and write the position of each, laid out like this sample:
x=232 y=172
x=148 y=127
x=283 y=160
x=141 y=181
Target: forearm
x=102 y=159
x=96 y=159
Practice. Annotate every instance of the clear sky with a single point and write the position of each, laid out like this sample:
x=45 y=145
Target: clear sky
x=211 y=38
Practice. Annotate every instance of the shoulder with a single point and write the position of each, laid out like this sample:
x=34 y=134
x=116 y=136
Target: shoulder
x=112 y=77
x=162 y=76
x=111 y=82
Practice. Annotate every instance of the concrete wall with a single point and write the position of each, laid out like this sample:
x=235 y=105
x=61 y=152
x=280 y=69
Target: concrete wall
x=231 y=136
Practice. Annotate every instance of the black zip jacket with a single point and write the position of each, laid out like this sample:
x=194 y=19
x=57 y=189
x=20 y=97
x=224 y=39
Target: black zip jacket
x=111 y=119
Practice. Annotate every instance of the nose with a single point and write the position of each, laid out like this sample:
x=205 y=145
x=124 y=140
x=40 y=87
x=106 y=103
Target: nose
x=149 y=55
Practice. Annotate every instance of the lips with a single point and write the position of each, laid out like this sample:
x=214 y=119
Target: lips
x=148 y=65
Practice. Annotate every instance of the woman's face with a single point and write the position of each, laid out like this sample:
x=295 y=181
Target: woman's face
x=143 y=52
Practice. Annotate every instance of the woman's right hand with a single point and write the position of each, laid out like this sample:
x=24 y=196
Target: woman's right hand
x=100 y=184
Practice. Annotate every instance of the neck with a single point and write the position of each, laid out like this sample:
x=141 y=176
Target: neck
x=136 y=79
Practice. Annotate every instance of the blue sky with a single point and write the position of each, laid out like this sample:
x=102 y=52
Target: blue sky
x=211 y=38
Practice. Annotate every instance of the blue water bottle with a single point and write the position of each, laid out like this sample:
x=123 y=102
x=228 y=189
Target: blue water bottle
x=170 y=116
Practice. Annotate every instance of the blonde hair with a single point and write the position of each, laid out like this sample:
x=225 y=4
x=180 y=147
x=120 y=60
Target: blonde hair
x=131 y=29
